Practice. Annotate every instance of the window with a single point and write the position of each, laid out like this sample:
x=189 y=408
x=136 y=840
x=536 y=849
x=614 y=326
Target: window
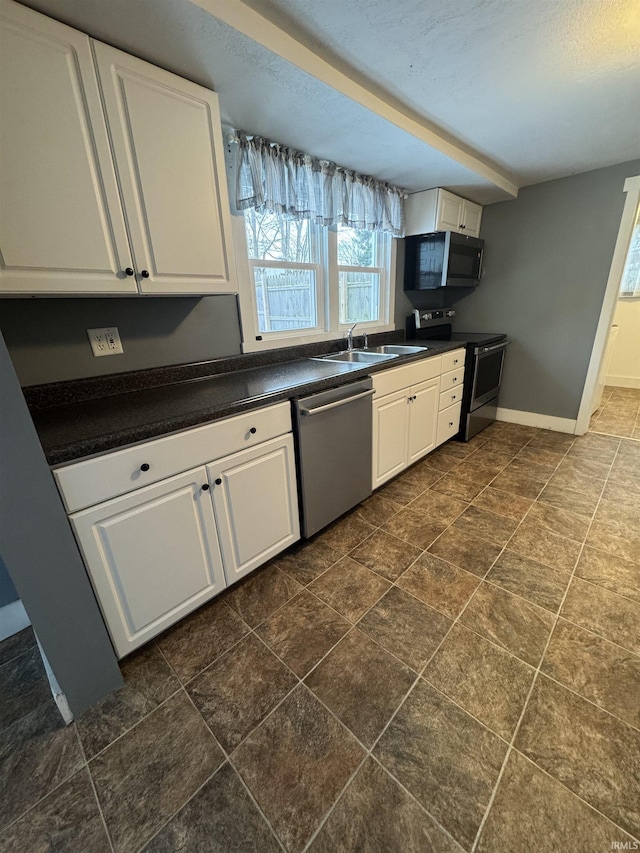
x=361 y=272
x=630 y=281
x=285 y=271
x=311 y=282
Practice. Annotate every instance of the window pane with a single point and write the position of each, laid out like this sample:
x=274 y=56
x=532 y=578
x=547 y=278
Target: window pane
x=286 y=299
x=356 y=248
x=359 y=297
x=271 y=237
x=630 y=283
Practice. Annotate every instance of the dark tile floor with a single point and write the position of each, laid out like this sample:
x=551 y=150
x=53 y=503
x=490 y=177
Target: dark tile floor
x=455 y=665
x=618 y=413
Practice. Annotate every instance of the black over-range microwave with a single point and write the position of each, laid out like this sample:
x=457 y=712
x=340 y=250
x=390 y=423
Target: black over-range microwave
x=442 y=259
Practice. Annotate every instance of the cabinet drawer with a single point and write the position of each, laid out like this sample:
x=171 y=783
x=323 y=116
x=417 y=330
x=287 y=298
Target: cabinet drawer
x=453 y=360
x=389 y=381
x=450 y=397
x=451 y=379
x=94 y=480
x=448 y=422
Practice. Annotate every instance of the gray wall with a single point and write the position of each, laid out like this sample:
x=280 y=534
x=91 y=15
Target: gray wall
x=547 y=259
x=8 y=592
x=38 y=547
x=48 y=342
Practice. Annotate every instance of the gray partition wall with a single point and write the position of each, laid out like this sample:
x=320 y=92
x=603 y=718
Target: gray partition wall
x=43 y=560
x=547 y=259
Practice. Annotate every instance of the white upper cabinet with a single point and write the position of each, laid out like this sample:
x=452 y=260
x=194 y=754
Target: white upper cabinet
x=169 y=156
x=134 y=201
x=440 y=210
x=61 y=223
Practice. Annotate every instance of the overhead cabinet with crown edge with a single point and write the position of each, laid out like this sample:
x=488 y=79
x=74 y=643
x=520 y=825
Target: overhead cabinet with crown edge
x=127 y=199
x=165 y=525
x=440 y=210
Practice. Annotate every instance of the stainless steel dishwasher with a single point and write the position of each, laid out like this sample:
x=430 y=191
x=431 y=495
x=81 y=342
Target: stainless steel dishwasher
x=333 y=438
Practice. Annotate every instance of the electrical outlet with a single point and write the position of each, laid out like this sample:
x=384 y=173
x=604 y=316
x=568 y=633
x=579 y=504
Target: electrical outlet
x=105 y=341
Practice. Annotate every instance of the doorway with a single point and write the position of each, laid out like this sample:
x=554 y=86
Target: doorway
x=594 y=383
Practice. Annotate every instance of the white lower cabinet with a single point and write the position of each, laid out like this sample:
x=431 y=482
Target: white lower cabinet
x=414 y=410
x=404 y=428
x=423 y=418
x=390 y=436
x=256 y=505
x=157 y=552
x=153 y=556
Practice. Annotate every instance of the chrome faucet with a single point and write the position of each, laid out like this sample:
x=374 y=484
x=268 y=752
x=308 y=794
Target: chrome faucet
x=350 y=337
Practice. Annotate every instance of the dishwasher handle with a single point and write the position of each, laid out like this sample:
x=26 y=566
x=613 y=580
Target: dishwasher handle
x=327 y=406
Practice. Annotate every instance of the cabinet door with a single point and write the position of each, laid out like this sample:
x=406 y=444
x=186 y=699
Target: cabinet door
x=169 y=157
x=152 y=555
x=390 y=428
x=423 y=418
x=61 y=223
x=449 y=216
x=471 y=218
x=256 y=505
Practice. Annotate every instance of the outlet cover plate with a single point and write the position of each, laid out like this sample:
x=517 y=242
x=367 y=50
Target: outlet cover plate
x=105 y=341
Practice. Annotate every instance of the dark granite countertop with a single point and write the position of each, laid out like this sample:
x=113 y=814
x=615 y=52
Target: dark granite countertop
x=72 y=430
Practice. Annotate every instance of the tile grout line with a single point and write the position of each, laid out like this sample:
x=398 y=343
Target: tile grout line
x=27 y=811
x=350 y=629
x=534 y=681
x=401 y=703
x=573 y=793
x=226 y=760
x=94 y=789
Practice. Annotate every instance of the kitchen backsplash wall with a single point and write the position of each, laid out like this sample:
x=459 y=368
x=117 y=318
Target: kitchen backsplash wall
x=48 y=342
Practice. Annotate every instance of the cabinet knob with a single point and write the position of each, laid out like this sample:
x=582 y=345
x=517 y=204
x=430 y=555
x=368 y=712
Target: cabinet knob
x=145 y=466
x=455 y=360
x=129 y=270
x=450 y=423
x=455 y=378
x=218 y=482
x=253 y=430
x=205 y=487
x=145 y=273
x=453 y=396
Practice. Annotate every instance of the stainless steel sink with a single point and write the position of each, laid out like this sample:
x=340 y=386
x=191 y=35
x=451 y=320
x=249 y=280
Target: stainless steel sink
x=399 y=349
x=358 y=356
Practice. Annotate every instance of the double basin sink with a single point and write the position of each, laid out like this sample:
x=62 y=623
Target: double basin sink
x=372 y=355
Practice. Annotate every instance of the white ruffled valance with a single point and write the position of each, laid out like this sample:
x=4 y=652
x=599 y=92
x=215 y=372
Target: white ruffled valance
x=270 y=177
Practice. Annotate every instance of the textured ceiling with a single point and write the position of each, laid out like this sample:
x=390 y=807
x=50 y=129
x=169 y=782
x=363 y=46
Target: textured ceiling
x=540 y=89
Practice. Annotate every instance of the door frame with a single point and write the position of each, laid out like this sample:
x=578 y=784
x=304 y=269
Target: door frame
x=632 y=189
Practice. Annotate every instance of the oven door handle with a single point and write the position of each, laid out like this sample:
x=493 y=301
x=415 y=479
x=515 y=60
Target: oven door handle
x=485 y=350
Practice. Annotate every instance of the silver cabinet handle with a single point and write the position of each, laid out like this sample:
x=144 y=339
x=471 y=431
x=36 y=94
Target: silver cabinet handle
x=335 y=405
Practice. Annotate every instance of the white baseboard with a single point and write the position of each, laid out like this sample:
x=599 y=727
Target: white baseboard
x=623 y=381
x=514 y=416
x=13 y=618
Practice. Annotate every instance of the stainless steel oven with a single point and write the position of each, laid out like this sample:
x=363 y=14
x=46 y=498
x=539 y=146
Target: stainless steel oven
x=488 y=362
x=483 y=365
